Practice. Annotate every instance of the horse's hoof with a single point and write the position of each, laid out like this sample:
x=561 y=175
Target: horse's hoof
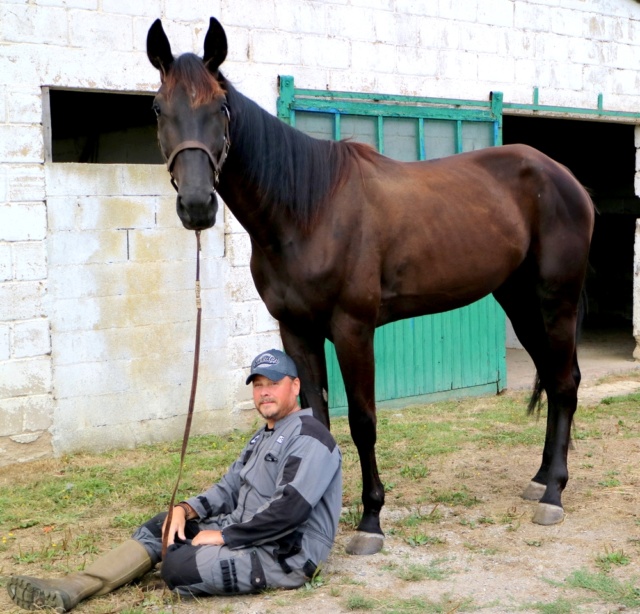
x=365 y=543
x=548 y=514
x=534 y=491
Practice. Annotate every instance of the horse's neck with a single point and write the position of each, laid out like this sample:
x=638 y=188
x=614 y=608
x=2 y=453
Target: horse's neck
x=255 y=141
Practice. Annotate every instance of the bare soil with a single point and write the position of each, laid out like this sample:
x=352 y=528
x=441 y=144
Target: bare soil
x=488 y=557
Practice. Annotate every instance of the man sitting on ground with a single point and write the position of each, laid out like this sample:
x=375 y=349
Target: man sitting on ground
x=269 y=522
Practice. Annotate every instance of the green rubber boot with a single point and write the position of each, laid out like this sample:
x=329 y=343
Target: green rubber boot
x=113 y=569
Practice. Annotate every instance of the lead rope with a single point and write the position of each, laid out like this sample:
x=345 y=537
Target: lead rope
x=192 y=399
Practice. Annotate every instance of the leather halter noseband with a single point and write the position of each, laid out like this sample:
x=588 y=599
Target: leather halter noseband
x=216 y=165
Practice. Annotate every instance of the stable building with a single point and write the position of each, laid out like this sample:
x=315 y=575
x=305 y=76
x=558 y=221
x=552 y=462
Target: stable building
x=97 y=309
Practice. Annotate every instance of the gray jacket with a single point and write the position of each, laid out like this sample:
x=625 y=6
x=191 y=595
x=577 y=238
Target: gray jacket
x=285 y=489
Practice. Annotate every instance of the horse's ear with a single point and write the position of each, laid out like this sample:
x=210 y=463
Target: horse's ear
x=215 y=45
x=158 y=48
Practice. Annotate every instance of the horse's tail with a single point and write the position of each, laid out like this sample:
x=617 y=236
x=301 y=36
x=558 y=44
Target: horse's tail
x=535 y=402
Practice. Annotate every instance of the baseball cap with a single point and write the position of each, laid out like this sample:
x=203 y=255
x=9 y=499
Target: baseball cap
x=273 y=364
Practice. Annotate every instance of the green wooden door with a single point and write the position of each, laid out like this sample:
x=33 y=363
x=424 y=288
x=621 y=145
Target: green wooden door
x=461 y=352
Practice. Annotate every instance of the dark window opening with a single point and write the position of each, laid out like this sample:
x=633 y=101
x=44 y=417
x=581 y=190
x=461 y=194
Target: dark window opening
x=101 y=128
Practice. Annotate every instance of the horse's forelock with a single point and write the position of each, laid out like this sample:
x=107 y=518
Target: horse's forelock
x=189 y=72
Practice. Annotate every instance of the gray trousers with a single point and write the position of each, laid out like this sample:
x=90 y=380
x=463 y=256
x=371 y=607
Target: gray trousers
x=218 y=570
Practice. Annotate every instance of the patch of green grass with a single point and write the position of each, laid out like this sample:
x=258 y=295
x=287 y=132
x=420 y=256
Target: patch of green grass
x=559 y=606
x=415 y=572
x=454 y=498
x=606 y=588
x=610 y=558
x=359 y=602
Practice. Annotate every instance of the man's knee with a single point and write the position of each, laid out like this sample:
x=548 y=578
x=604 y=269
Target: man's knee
x=179 y=568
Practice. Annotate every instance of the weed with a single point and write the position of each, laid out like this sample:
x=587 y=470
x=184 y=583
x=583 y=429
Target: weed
x=359 y=602
x=610 y=558
x=559 y=606
x=607 y=588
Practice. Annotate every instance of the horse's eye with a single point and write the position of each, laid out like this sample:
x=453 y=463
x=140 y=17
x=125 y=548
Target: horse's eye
x=156 y=109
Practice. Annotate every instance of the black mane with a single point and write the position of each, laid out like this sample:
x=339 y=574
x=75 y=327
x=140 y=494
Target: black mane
x=290 y=169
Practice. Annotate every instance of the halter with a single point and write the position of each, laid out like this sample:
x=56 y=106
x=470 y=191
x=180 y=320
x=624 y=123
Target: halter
x=216 y=165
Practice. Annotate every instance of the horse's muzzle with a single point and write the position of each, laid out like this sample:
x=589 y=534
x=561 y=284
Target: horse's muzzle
x=197 y=211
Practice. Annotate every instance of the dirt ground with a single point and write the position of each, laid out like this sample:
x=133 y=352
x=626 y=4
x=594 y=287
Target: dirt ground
x=489 y=557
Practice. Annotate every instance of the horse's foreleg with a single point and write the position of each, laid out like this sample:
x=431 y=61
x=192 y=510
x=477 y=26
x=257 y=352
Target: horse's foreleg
x=308 y=354
x=354 y=348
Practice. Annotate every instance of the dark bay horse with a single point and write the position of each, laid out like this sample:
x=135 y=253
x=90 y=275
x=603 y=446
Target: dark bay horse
x=345 y=240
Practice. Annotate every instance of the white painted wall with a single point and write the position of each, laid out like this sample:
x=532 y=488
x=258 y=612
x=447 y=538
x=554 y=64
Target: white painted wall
x=96 y=313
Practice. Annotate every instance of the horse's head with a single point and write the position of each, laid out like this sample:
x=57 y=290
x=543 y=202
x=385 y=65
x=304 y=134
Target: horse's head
x=193 y=122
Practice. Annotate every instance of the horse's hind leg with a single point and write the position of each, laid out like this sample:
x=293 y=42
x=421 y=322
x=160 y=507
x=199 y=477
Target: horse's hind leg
x=546 y=327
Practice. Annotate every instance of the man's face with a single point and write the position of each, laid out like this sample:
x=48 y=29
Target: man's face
x=275 y=400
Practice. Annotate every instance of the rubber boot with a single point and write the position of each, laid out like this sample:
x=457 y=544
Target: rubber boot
x=125 y=563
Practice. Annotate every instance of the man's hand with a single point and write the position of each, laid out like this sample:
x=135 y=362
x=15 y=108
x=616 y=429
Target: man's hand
x=208 y=538
x=178 y=521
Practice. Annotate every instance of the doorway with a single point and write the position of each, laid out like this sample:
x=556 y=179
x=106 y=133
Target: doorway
x=602 y=156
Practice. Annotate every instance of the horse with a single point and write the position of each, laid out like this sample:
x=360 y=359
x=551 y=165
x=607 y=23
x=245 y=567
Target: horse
x=345 y=240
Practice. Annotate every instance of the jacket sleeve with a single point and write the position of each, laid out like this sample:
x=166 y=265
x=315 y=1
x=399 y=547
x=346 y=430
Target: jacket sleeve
x=222 y=498
x=311 y=462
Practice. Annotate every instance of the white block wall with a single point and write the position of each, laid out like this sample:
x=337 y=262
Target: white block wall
x=96 y=307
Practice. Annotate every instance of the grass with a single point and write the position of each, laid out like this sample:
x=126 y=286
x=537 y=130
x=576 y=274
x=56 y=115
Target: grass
x=85 y=503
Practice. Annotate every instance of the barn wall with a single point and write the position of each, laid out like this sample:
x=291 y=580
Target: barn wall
x=96 y=315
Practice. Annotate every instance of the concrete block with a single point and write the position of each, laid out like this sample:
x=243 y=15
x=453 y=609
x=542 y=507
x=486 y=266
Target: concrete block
x=5 y=342
x=83 y=179
x=31 y=338
x=12 y=416
x=112 y=212
x=538 y=18
x=461 y=64
x=92 y=379
x=23 y=108
x=4 y=89
x=165 y=211
x=273 y=48
x=25 y=377
x=240 y=286
x=239 y=249
x=416 y=7
x=417 y=61
x=26 y=183
x=87 y=247
x=241 y=319
x=192 y=11
x=250 y=14
x=6 y=267
x=350 y=23
x=146 y=180
x=21 y=300
x=381 y=55
x=146 y=8
x=33 y=24
x=89 y=5
x=100 y=31
x=265 y=322
x=21 y=144
x=4 y=192
x=300 y=17
x=23 y=222
x=61 y=213
x=559 y=20
x=496 y=69
x=458 y=11
x=439 y=34
x=161 y=244
x=496 y=13
x=74 y=314
x=321 y=51
x=30 y=261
